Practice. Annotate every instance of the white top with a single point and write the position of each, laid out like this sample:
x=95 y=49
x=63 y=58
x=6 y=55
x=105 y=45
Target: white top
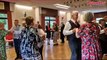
x=41 y=32
x=16 y=31
x=67 y=28
x=101 y=31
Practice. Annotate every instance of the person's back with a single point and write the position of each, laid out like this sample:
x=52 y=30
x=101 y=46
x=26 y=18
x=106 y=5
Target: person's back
x=29 y=42
x=90 y=30
x=89 y=34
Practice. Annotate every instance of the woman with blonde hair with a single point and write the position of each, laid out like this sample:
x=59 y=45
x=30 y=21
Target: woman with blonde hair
x=89 y=34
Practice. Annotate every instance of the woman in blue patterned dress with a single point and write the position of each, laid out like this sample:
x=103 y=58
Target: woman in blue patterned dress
x=29 y=49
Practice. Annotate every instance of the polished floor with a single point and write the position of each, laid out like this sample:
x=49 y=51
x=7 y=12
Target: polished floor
x=50 y=52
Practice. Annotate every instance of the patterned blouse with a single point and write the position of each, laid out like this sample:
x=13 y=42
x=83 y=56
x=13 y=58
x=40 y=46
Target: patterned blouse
x=89 y=34
x=29 y=49
x=2 y=45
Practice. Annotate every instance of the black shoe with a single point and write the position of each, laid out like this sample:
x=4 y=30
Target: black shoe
x=48 y=43
x=62 y=42
x=16 y=58
x=56 y=44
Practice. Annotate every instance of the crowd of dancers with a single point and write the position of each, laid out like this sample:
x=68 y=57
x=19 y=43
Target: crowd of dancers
x=87 y=41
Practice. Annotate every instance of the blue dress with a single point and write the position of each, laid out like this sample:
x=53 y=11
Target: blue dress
x=28 y=47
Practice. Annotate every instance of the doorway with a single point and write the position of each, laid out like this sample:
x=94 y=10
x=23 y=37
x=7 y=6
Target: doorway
x=50 y=20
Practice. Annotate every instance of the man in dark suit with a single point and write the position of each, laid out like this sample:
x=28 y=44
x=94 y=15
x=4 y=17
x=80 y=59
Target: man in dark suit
x=103 y=35
x=48 y=33
x=61 y=33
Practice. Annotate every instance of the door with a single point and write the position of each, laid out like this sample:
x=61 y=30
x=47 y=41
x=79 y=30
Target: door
x=50 y=20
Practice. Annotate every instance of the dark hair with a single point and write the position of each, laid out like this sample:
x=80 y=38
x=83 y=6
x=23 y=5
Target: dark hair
x=29 y=20
x=16 y=20
x=37 y=21
x=39 y=26
x=101 y=20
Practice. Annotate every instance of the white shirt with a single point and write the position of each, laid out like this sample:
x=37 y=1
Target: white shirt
x=16 y=31
x=41 y=32
x=101 y=31
x=67 y=28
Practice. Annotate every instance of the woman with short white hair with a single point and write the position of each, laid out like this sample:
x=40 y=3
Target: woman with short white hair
x=89 y=34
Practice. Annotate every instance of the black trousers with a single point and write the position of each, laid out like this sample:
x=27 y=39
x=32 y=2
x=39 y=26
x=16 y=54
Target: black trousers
x=62 y=37
x=79 y=49
x=17 y=48
x=103 y=46
x=40 y=50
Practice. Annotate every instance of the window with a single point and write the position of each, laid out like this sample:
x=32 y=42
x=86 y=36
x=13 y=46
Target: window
x=50 y=20
x=3 y=15
x=3 y=18
x=46 y=18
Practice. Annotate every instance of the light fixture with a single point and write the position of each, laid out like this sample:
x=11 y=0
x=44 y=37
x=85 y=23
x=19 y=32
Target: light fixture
x=23 y=7
x=62 y=12
x=61 y=6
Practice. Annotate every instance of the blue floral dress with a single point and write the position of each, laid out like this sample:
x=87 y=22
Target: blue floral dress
x=29 y=49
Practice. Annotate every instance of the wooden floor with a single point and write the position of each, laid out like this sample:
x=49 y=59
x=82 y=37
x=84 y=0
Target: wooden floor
x=50 y=52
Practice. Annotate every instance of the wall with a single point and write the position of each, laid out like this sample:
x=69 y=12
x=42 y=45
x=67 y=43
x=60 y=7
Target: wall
x=19 y=13
x=48 y=12
x=100 y=14
x=37 y=14
x=64 y=16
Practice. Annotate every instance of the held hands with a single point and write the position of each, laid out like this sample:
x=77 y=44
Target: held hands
x=76 y=33
x=75 y=30
x=105 y=29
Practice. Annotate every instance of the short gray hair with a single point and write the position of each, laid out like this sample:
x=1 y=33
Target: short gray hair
x=88 y=16
x=74 y=12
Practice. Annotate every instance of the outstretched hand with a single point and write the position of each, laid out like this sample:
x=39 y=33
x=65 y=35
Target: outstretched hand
x=77 y=29
x=2 y=28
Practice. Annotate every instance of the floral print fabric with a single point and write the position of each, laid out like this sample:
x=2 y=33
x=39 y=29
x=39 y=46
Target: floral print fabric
x=2 y=45
x=29 y=49
x=89 y=34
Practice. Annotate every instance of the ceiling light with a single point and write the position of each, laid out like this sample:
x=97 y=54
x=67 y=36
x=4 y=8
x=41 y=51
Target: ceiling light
x=23 y=7
x=61 y=6
x=62 y=12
